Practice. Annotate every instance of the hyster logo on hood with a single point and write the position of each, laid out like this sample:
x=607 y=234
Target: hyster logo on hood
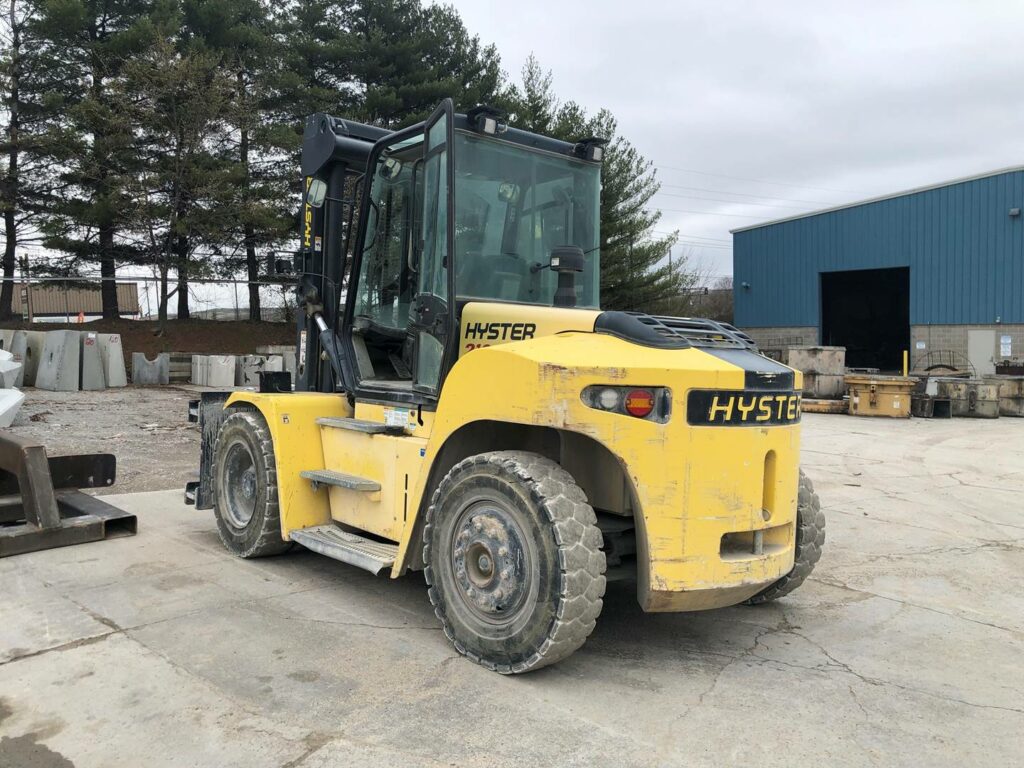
x=500 y=331
x=742 y=409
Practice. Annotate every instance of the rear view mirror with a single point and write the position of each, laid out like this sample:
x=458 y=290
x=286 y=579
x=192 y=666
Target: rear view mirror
x=316 y=193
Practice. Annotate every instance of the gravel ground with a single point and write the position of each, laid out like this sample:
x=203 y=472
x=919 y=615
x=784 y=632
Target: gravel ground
x=146 y=428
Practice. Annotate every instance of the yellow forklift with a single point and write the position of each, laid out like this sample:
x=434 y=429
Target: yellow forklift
x=463 y=406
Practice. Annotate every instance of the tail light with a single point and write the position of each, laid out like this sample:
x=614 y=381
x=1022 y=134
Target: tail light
x=648 y=403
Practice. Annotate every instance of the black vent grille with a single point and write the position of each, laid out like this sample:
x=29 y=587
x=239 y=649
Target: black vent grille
x=698 y=331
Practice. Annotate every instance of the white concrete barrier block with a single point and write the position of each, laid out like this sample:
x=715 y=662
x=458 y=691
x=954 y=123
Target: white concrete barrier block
x=29 y=345
x=200 y=370
x=58 y=366
x=10 y=404
x=248 y=370
x=6 y=338
x=112 y=359
x=90 y=363
x=220 y=370
x=146 y=372
x=287 y=353
x=10 y=370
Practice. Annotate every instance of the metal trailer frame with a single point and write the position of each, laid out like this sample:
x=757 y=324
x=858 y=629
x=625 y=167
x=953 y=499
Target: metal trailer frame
x=41 y=506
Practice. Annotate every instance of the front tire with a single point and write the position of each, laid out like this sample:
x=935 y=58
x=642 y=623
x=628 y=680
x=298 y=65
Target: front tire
x=810 y=537
x=513 y=561
x=245 y=475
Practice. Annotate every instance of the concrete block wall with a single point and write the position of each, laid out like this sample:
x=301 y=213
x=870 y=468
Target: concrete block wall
x=954 y=337
x=772 y=341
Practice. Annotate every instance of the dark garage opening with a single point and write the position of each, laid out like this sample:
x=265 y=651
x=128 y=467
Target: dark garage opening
x=868 y=312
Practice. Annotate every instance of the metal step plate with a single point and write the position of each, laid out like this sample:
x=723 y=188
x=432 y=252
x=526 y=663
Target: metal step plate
x=357 y=425
x=340 y=479
x=351 y=548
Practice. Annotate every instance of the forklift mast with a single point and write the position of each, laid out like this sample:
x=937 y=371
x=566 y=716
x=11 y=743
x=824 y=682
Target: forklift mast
x=334 y=158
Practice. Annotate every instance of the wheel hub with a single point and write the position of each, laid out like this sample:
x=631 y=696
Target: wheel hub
x=241 y=481
x=488 y=559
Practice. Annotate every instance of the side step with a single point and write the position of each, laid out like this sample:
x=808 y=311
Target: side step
x=351 y=548
x=357 y=425
x=329 y=477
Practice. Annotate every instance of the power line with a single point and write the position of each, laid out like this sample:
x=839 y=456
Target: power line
x=691 y=236
x=762 y=181
x=734 y=202
x=746 y=194
x=711 y=213
x=704 y=245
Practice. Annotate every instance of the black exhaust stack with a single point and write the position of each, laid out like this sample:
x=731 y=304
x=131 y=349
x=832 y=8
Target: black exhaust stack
x=567 y=260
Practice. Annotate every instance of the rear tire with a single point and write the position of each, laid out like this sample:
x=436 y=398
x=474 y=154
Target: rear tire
x=245 y=474
x=513 y=561
x=810 y=537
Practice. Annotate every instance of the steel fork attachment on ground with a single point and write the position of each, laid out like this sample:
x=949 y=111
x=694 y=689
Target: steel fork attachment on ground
x=41 y=506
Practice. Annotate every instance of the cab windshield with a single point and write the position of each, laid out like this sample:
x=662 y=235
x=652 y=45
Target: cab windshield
x=513 y=206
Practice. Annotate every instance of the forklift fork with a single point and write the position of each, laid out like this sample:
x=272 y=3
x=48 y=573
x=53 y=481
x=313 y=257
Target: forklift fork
x=40 y=504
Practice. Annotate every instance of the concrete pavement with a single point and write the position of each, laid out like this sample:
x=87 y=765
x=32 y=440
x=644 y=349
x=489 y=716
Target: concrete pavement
x=905 y=647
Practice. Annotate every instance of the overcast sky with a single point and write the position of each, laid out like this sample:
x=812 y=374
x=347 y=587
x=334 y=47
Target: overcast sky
x=788 y=106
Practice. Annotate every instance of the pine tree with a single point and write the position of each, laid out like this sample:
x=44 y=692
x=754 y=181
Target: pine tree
x=31 y=133
x=176 y=101
x=635 y=272
x=90 y=42
x=407 y=58
x=241 y=34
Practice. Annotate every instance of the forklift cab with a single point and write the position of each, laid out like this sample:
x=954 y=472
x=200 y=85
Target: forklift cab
x=457 y=209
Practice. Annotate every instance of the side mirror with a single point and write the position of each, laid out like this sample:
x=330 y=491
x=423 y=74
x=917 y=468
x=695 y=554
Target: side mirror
x=316 y=193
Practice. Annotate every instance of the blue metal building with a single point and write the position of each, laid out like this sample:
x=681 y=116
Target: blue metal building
x=938 y=269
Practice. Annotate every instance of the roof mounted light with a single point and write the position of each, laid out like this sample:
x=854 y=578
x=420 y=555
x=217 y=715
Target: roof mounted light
x=591 y=148
x=487 y=120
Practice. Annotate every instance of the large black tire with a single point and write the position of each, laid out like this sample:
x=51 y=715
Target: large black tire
x=810 y=537
x=245 y=477
x=513 y=561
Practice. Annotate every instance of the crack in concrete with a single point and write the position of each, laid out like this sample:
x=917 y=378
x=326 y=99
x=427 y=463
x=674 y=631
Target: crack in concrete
x=841 y=585
x=81 y=642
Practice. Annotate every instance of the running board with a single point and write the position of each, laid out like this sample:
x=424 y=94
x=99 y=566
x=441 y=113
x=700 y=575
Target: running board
x=351 y=548
x=356 y=425
x=320 y=477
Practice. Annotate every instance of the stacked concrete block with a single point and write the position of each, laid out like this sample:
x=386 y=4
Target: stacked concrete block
x=214 y=370
x=180 y=368
x=90 y=363
x=146 y=372
x=287 y=353
x=10 y=370
x=823 y=368
x=27 y=347
x=58 y=365
x=112 y=359
x=221 y=370
x=6 y=339
x=250 y=366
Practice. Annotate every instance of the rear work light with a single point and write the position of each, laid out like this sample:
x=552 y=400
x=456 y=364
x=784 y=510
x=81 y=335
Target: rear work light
x=648 y=403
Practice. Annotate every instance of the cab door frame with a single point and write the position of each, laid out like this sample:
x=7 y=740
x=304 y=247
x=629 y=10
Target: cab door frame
x=433 y=315
x=443 y=317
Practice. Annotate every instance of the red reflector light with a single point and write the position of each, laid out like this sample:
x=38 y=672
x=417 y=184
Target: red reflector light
x=639 y=403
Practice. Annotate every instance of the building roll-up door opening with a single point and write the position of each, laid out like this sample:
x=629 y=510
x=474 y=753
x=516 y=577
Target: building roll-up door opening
x=868 y=312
